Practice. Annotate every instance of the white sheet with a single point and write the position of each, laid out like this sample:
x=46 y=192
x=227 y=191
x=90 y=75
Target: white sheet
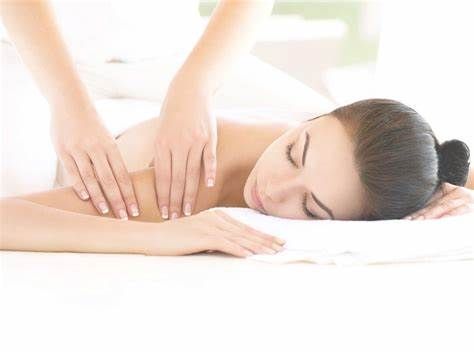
x=96 y=304
x=363 y=242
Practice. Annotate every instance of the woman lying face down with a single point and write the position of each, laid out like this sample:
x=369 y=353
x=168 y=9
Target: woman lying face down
x=373 y=159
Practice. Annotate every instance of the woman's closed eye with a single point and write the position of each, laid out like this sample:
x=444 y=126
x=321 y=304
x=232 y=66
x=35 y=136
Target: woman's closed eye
x=288 y=154
x=303 y=202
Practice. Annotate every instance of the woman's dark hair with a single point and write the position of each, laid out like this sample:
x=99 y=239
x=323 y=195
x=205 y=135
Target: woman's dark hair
x=400 y=162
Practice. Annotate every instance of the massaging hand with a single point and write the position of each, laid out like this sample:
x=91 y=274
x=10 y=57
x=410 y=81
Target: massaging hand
x=451 y=200
x=211 y=230
x=186 y=132
x=92 y=160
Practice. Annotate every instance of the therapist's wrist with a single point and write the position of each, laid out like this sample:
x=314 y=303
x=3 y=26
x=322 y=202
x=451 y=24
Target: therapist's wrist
x=78 y=105
x=73 y=95
x=191 y=81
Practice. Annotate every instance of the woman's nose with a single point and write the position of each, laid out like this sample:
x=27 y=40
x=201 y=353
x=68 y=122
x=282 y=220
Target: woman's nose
x=277 y=190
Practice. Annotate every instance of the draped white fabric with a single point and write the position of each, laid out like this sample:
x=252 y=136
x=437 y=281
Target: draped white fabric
x=426 y=60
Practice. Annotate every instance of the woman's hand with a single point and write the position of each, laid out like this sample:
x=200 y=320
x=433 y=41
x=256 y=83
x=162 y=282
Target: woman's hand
x=186 y=132
x=211 y=230
x=92 y=160
x=450 y=200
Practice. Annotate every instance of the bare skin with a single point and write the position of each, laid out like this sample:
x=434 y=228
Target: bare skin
x=135 y=145
x=247 y=153
x=59 y=221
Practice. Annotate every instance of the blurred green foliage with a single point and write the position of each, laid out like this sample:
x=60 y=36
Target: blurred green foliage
x=355 y=49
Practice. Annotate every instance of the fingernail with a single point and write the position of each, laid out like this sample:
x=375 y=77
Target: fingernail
x=123 y=214
x=164 y=212
x=276 y=246
x=210 y=182
x=103 y=207
x=248 y=253
x=84 y=195
x=174 y=215
x=281 y=241
x=269 y=251
x=187 y=209
x=420 y=217
x=134 y=209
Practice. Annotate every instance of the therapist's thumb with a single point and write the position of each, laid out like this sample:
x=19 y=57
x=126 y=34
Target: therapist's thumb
x=210 y=162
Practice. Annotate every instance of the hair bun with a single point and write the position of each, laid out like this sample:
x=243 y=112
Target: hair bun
x=453 y=159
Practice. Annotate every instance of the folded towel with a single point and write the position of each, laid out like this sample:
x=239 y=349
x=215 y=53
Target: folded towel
x=363 y=242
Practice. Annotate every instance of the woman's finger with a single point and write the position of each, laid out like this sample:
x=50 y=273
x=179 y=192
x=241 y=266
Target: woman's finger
x=193 y=174
x=240 y=228
x=162 y=167
x=440 y=193
x=230 y=247
x=109 y=184
x=463 y=209
x=443 y=206
x=89 y=178
x=179 y=160
x=73 y=176
x=255 y=246
x=123 y=179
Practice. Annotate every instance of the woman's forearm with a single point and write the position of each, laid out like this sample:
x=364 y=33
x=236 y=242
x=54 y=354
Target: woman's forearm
x=28 y=226
x=230 y=33
x=32 y=28
x=470 y=178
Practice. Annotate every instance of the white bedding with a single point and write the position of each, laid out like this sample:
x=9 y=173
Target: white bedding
x=64 y=303
x=72 y=303
x=364 y=242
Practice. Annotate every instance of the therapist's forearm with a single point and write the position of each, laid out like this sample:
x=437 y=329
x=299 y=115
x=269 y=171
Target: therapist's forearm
x=33 y=29
x=230 y=33
x=29 y=226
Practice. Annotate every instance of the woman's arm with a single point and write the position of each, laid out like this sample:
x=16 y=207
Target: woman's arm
x=64 y=198
x=29 y=226
x=470 y=179
x=56 y=220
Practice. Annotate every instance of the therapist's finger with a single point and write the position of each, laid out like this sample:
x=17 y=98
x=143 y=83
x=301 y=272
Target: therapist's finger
x=179 y=158
x=210 y=161
x=123 y=179
x=73 y=176
x=109 y=184
x=162 y=168
x=88 y=176
x=193 y=174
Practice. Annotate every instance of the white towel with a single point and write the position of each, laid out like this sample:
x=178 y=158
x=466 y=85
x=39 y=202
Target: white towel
x=363 y=242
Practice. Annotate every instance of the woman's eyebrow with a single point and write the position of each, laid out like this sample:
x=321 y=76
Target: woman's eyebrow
x=318 y=202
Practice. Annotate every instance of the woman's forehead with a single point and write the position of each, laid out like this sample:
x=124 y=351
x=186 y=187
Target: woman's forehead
x=332 y=170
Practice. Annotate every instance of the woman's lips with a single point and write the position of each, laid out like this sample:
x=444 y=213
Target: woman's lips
x=256 y=199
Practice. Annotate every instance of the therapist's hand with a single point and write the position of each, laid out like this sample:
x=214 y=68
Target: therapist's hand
x=450 y=200
x=186 y=134
x=92 y=160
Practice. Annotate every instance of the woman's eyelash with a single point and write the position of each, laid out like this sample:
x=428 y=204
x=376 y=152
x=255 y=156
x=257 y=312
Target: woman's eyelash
x=303 y=202
x=306 y=211
x=288 y=155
